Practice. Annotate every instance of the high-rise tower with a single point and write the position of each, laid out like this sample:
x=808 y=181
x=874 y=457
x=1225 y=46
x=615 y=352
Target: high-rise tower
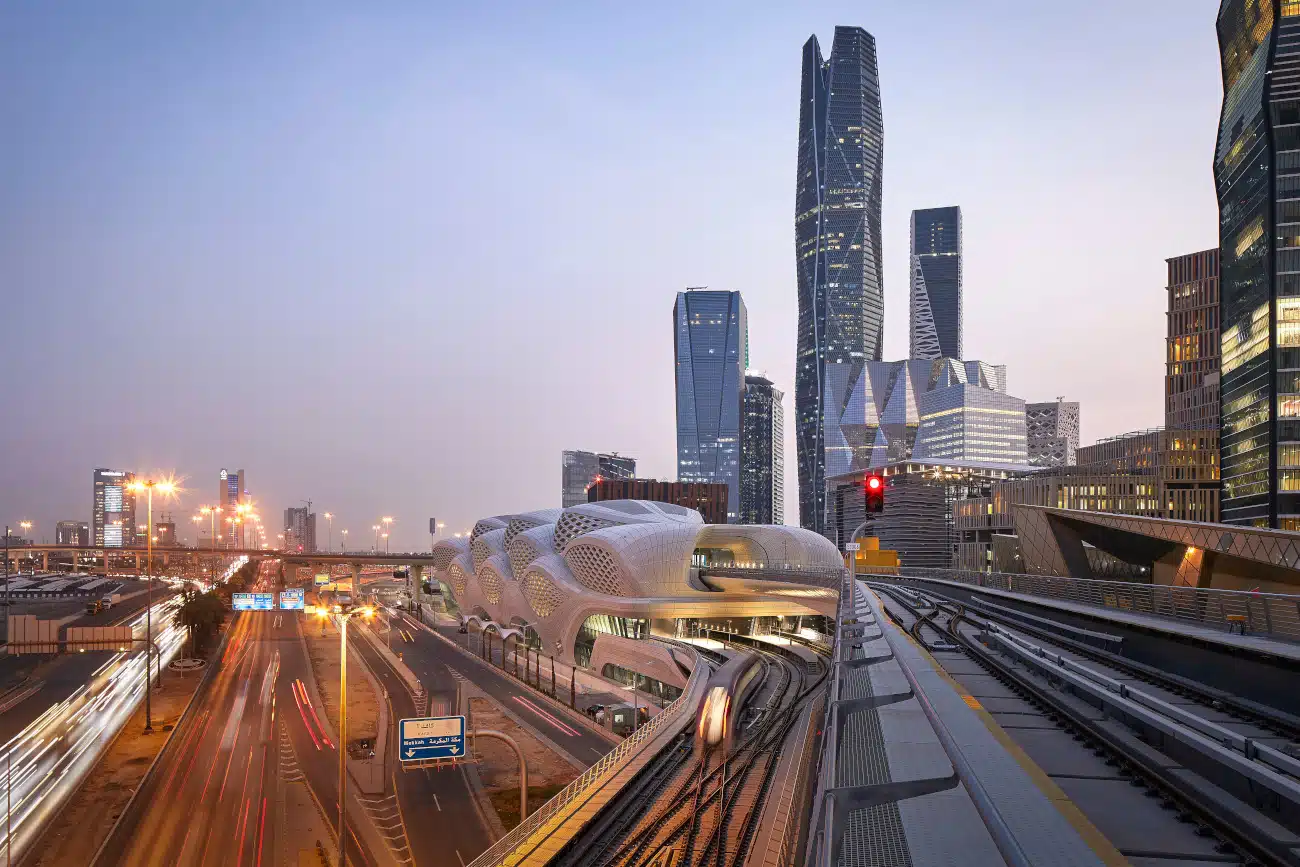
x=1257 y=179
x=710 y=334
x=837 y=238
x=935 y=309
x=762 y=453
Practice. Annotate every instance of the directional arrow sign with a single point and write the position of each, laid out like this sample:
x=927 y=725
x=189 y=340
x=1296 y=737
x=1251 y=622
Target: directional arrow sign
x=438 y=737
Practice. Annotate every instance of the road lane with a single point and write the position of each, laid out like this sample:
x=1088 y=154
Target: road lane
x=430 y=658
x=437 y=804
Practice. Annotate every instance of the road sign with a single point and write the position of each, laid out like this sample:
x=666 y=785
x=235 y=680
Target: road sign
x=252 y=601
x=439 y=737
x=292 y=599
x=323 y=578
x=852 y=546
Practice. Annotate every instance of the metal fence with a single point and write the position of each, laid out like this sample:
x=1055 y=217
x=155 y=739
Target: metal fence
x=500 y=851
x=1272 y=615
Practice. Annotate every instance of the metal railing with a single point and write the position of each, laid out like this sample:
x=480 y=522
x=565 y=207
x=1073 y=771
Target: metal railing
x=503 y=848
x=1272 y=615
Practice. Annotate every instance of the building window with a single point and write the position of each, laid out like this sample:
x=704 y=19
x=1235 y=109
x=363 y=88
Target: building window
x=649 y=685
x=596 y=624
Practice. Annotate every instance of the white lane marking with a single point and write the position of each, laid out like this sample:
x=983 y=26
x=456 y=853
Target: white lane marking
x=571 y=732
x=436 y=804
x=460 y=859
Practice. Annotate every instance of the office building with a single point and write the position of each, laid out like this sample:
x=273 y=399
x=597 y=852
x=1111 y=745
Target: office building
x=1052 y=432
x=935 y=309
x=970 y=423
x=1193 y=344
x=920 y=499
x=230 y=490
x=1153 y=473
x=837 y=240
x=72 y=533
x=164 y=532
x=580 y=470
x=299 y=529
x=876 y=412
x=113 y=513
x=762 y=453
x=707 y=498
x=710 y=341
x=1257 y=180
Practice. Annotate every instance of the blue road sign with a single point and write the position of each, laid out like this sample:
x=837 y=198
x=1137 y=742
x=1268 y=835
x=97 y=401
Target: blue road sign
x=252 y=601
x=438 y=737
x=292 y=599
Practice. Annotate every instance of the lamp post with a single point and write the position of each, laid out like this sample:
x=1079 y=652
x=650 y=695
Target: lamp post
x=344 y=617
x=329 y=518
x=211 y=512
x=343 y=545
x=388 y=528
x=166 y=487
x=376 y=529
x=385 y=543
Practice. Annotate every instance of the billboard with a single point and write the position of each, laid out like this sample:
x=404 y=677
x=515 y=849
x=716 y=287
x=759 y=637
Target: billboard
x=252 y=601
x=292 y=600
x=322 y=578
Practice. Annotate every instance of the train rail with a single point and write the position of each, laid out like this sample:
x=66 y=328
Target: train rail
x=1224 y=769
x=695 y=807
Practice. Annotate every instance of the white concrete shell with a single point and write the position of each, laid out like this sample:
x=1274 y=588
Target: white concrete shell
x=552 y=569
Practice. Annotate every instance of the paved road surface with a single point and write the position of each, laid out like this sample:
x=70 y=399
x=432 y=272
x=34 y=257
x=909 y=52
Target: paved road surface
x=211 y=799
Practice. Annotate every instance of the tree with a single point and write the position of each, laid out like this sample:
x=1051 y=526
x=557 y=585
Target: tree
x=202 y=615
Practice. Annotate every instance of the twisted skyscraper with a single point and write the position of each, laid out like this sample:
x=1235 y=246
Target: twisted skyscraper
x=837 y=239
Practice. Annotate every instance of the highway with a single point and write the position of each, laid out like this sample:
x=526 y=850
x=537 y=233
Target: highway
x=212 y=797
x=53 y=742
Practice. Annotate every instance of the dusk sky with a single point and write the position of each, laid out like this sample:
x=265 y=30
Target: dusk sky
x=395 y=257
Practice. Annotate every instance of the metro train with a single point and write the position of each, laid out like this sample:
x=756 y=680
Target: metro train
x=725 y=695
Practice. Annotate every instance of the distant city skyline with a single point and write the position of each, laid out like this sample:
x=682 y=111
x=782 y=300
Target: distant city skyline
x=298 y=282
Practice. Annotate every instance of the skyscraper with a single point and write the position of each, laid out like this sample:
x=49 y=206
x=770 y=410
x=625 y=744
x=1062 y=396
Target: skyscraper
x=1193 y=344
x=1053 y=433
x=762 y=453
x=113 y=513
x=299 y=529
x=1257 y=179
x=935 y=310
x=230 y=490
x=837 y=238
x=710 y=333
x=580 y=470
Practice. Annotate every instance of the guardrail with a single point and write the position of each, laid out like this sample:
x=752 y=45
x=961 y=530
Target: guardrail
x=1274 y=615
x=503 y=848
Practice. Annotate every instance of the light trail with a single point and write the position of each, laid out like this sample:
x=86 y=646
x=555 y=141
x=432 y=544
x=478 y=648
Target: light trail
x=52 y=756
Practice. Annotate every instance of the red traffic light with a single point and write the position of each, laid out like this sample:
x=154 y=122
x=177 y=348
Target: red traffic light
x=874 y=483
x=874 y=490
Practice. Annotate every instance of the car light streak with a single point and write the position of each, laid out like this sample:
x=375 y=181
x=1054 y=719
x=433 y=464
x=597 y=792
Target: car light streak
x=52 y=756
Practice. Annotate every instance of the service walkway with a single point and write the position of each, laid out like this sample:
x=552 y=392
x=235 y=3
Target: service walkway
x=915 y=772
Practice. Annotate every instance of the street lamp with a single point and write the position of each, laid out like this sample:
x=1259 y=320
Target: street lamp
x=27 y=528
x=166 y=487
x=343 y=616
x=212 y=512
x=388 y=528
x=376 y=529
x=343 y=545
x=330 y=518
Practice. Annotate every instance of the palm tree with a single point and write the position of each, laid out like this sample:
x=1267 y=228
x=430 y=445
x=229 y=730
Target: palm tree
x=202 y=615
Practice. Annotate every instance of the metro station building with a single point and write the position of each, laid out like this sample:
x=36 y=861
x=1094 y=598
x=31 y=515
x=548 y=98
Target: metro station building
x=589 y=583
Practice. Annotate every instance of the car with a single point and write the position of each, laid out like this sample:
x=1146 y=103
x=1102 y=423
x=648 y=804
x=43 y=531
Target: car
x=593 y=710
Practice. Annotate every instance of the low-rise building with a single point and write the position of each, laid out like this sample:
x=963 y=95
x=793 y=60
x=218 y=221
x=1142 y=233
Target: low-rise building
x=1171 y=474
x=707 y=498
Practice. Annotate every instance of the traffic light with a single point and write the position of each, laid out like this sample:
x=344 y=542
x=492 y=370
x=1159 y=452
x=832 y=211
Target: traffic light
x=874 y=487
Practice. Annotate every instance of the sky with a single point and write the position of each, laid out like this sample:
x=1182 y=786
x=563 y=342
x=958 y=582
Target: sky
x=394 y=257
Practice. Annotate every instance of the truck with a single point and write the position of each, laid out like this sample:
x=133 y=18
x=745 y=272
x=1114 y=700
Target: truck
x=110 y=599
x=94 y=606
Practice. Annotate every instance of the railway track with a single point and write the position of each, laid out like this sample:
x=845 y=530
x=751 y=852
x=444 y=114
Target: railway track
x=702 y=810
x=1224 y=771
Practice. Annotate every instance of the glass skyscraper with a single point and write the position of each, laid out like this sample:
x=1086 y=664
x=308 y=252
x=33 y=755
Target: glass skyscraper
x=113 y=513
x=1257 y=178
x=935 y=309
x=762 y=453
x=710 y=336
x=837 y=238
x=580 y=470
